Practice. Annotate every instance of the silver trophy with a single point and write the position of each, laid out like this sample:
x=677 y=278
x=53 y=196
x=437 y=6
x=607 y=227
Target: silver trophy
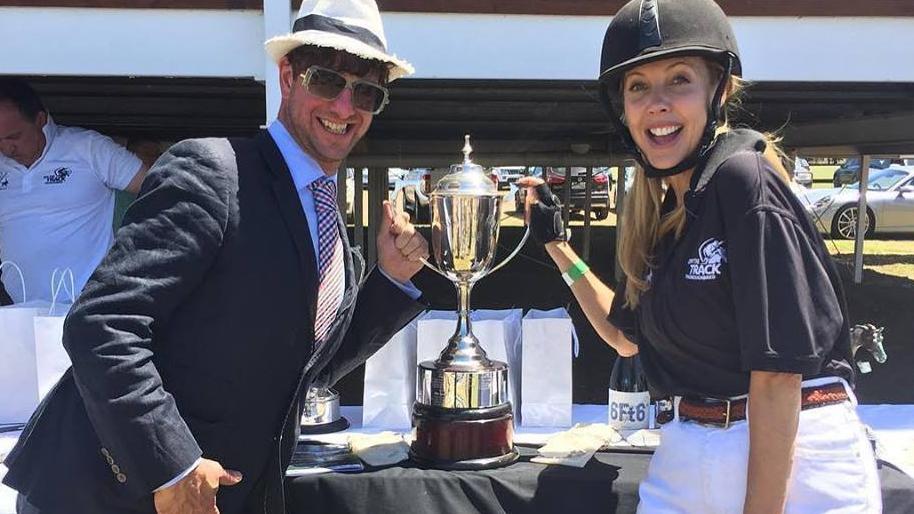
x=321 y=412
x=462 y=413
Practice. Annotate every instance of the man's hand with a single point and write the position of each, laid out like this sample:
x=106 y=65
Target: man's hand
x=196 y=493
x=400 y=247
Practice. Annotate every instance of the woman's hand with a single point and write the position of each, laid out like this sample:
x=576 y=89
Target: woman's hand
x=542 y=212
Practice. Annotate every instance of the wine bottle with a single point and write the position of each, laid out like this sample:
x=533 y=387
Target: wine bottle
x=629 y=400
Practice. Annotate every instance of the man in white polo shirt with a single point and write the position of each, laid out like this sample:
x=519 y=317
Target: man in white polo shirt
x=57 y=191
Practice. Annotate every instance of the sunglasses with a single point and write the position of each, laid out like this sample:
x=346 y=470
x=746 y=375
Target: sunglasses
x=329 y=85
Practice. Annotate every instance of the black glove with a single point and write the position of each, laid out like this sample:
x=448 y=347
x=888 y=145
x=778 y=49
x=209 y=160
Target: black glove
x=546 y=223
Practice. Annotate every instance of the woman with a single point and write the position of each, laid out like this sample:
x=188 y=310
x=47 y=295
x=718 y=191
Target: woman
x=729 y=296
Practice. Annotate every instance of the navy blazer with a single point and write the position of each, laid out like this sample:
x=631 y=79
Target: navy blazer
x=194 y=337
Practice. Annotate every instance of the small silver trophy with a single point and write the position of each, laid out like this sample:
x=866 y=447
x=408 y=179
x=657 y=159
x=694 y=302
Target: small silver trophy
x=321 y=412
x=462 y=414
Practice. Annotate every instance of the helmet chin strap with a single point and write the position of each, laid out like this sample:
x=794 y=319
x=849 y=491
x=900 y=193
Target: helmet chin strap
x=701 y=150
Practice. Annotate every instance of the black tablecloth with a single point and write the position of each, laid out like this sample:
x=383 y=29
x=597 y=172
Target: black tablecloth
x=609 y=483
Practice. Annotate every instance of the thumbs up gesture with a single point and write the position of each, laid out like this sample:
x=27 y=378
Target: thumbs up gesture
x=400 y=247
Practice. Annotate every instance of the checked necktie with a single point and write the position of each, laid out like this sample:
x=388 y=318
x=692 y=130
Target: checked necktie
x=330 y=257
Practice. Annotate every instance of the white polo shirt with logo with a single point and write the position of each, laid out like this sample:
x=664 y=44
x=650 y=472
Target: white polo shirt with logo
x=58 y=213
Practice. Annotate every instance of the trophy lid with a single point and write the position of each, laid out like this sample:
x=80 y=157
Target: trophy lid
x=467 y=179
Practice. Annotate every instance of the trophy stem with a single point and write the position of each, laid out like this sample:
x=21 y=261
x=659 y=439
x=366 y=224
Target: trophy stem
x=463 y=347
x=464 y=324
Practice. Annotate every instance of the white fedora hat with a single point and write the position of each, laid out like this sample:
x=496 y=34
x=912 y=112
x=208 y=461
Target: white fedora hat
x=351 y=26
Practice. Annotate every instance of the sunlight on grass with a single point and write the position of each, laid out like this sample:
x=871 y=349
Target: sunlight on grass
x=875 y=247
x=889 y=257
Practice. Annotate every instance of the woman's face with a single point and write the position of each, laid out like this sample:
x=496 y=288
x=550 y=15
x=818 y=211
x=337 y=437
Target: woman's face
x=666 y=107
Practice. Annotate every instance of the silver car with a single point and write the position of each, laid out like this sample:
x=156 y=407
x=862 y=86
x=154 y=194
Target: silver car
x=890 y=204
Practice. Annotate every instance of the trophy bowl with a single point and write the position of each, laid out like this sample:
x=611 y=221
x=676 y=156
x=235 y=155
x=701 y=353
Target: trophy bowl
x=463 y=414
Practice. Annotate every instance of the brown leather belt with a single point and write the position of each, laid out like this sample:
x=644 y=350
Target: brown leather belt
x=721 y=413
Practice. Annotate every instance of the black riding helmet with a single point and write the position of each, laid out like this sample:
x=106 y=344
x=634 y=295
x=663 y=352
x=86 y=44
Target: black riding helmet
x=649 y=30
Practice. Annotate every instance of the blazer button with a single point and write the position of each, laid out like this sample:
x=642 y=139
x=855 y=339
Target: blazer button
x=115 y=469
x=105 y=452
x=121 y=477
x=110 y=460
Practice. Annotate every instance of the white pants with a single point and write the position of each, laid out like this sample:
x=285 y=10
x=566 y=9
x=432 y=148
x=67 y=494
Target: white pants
x=700 y=469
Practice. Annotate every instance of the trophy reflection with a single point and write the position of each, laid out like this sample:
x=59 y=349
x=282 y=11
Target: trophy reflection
x=462 y=414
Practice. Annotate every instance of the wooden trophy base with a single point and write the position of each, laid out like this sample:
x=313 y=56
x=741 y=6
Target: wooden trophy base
x=463 y=438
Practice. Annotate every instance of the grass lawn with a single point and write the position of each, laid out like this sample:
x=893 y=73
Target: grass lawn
x=822 y=176
x=893 y=257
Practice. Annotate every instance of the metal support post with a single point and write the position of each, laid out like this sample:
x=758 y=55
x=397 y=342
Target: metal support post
x=566 y=200
x=862 y=218
x=588 y=186
x=620 y=204
x=358 y=210
x=377 y=193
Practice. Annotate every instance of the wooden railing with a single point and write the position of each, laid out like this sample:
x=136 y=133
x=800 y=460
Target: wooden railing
x=893 y=8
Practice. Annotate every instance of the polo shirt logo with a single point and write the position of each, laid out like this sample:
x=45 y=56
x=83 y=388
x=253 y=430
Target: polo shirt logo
x=4 y=180
x=59 y=176
x=711 y=256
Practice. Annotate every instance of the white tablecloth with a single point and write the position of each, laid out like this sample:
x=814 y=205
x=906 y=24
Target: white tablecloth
x=893 y=424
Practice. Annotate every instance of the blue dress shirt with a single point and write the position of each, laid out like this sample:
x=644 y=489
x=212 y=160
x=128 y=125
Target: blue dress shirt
x=305 y=170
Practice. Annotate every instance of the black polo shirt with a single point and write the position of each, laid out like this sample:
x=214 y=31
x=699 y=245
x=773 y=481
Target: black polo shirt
x=748 y=286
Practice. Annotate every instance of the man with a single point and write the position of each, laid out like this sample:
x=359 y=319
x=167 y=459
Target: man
x=228 y=293
x=57 y=188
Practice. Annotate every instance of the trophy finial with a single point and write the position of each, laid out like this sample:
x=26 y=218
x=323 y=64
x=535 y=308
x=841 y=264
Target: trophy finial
x=467 y=149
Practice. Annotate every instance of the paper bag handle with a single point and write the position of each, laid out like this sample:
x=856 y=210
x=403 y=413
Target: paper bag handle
x=21 y=275
x=58 y=283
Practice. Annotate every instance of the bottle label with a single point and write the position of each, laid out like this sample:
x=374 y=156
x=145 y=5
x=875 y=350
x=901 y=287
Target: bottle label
x=629 y=411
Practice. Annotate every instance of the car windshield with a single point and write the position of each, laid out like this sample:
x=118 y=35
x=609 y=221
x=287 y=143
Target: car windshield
x=878 y=164
x=881 y=180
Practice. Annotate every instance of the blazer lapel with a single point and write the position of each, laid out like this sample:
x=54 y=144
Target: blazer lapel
x=290 y=209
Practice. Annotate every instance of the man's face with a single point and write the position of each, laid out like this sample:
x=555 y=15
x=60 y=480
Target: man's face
x=21 y=139
x=327 y=130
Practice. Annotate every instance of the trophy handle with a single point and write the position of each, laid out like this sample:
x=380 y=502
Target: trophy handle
x=515 y=252
x=434 y=268
x=496 y=268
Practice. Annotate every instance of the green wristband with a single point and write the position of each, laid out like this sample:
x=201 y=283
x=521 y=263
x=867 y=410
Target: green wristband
x=575 y=272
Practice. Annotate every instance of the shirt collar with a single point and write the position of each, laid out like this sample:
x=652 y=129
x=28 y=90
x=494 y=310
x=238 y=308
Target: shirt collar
x=303 y=167
x=50 y=133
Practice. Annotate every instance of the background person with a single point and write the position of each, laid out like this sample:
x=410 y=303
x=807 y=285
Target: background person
x=230 y=290
x=728 y=291
x=4 y=297
x=57 y=189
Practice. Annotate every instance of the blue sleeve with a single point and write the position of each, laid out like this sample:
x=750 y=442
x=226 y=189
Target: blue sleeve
x=407 y=287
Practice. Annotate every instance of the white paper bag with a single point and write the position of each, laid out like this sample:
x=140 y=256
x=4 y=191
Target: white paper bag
x=51 y=360
x=546 y=370
x=390 y=382
x=18 y=382
x=499 y=334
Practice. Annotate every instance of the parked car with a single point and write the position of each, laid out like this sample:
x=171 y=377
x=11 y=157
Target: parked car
x=507 y=175
x=890 y=204
x=849 y=172
x=557 y=178
x=802 y=174
x=394 y=175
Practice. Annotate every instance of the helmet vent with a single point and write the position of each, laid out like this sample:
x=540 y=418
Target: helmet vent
x=649 y=22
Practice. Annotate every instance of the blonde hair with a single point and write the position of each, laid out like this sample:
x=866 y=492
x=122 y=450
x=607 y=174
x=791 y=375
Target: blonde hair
x=644 y=226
